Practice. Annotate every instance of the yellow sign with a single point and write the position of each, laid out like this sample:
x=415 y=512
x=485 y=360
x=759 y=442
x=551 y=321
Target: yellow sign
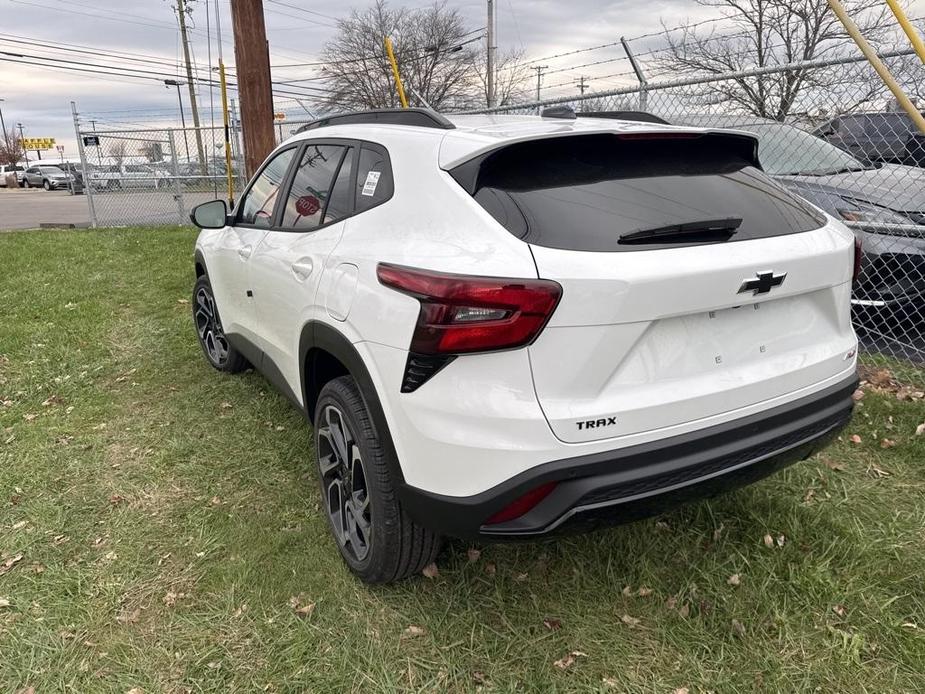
x=38 y=142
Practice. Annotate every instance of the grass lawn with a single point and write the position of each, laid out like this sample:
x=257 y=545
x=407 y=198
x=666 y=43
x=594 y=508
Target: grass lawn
x=160 y=529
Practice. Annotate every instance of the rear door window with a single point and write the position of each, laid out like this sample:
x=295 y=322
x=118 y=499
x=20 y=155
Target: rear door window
x=586 y=192
x=311 y=186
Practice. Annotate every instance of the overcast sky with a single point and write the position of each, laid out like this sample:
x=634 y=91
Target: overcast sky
x=40 y=98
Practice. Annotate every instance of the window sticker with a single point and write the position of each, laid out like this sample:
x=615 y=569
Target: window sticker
x=372 y=180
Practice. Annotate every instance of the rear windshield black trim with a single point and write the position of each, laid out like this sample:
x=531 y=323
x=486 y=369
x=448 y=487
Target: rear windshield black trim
x=744 y=146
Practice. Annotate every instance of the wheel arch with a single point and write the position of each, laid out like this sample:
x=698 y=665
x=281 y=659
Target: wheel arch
x=326 y=354
x=200 y=264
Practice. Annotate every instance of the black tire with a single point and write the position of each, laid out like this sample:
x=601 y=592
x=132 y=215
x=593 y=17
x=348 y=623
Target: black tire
x=46 y=185
x=395 y=547
x=25 y=183
x=215 y=346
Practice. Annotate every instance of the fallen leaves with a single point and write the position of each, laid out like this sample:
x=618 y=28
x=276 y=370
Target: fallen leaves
x=4 y=602
x=920 y=429
x=569 y=659
x=734 y=580
x=52 y=400
x=738 y=628
x=413 y=631
x=887 y=443
x=473 y=554
x=431 y=571
x=839 y=610
x=552 y=623
x=833 y=465
x=631 y=622
x=20 y=525
x=9 y=563
x=301 y=606
x=854 y=438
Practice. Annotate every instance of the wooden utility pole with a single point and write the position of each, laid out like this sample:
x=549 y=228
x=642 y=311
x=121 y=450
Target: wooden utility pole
x=181 y=16
x=582 y=84
x=252 y=64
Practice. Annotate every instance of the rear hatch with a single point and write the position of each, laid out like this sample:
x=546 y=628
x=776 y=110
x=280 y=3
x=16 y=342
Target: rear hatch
x=693 y=285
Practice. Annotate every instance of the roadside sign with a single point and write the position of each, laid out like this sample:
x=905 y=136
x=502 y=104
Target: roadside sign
x=91 y=141
x=60 y=148
x=279 y=116
x=37 y=143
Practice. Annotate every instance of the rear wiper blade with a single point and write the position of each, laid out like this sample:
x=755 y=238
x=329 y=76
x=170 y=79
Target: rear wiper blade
x=704 y=230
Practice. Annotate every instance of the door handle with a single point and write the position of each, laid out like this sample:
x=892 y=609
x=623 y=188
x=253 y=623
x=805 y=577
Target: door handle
x=245 y=252
x=303 y=268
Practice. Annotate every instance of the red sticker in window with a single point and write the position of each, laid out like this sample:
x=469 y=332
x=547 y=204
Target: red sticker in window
x=307 y=205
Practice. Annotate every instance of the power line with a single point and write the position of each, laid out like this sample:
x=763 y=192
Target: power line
x=303 y=9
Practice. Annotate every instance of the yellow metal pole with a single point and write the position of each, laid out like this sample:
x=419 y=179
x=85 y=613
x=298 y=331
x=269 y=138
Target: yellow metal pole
x=877 y=64
x=401 y=89
x=229 y=173
x=904 y=22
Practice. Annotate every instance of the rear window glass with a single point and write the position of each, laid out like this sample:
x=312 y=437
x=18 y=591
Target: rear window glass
x=585 y=192
x=374 y=177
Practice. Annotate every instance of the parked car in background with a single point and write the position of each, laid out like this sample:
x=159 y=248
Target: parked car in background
x=77 y=177
x=47 y=176
x=877 y=137
x=892 y=278
x=117 y=177
x=6 y=169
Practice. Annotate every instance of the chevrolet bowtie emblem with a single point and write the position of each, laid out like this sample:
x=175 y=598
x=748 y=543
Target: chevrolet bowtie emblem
x=762 y=283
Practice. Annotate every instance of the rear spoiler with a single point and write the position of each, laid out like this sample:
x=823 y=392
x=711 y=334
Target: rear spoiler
x=738 y=148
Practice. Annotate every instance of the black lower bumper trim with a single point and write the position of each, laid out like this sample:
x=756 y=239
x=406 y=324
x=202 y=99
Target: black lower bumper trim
x=638 y=481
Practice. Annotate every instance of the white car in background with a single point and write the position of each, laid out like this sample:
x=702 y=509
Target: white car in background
x=501 y=327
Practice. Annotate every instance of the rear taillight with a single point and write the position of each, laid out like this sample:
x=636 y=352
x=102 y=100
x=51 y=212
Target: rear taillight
x=858 y=253
x=462 y=314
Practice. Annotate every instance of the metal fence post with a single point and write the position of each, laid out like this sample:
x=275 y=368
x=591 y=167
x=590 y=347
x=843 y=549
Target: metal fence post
x=88 y=186
x=178 y=194
x=643 y=82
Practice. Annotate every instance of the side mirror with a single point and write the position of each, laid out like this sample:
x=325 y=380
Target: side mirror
x=210 y=215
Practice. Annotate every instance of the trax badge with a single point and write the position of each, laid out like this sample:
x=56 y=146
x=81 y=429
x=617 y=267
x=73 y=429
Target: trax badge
x=763 y=282
x=595 y=423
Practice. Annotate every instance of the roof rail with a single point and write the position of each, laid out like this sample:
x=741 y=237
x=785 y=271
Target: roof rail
x=420 y=117
x=642 y=116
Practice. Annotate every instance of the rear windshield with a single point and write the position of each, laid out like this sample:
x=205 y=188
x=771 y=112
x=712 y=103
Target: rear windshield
x=586 y=192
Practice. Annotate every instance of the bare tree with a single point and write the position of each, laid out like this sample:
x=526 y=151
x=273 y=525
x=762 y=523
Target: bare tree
x=512 y=75
x=767 y=33
x=118 y=153
x=11 y=149
x=152 y=151
x=431 y=51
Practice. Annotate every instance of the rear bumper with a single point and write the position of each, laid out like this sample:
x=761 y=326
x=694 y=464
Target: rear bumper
x=639 y=481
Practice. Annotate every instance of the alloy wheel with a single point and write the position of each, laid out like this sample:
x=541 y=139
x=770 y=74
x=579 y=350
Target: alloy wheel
x=209 y=327
x=343 y=484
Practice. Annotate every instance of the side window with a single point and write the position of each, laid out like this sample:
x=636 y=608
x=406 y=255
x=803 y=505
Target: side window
x=311 y=186
x=340 y=202
x=374 y=183
x=257 y=206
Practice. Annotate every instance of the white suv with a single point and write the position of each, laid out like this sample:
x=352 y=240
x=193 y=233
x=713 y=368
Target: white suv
x=505 y=326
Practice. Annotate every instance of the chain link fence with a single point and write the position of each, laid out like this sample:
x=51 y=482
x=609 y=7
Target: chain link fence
x=151 y=177
x=835 y=141
x=827 y=132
